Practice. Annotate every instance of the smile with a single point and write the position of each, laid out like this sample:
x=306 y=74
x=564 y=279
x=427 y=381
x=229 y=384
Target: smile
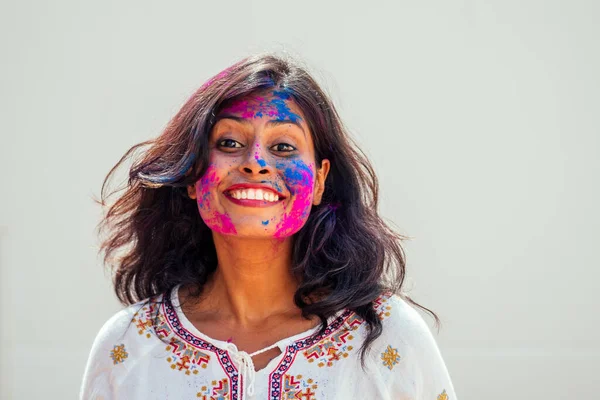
x=253 y=197
x=254 y=194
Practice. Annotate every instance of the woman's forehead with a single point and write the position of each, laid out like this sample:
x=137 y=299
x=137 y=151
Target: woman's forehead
x=275 y=104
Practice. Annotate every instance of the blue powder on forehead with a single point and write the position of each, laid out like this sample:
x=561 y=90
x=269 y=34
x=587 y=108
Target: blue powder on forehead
x=283 y=110
x=283 y=94
x=265 y=222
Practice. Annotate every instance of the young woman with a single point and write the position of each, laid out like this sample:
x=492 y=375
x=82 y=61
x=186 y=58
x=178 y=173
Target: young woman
x=249 y=252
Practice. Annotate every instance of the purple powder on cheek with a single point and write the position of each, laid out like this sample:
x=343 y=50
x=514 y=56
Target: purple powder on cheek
x=299 y=178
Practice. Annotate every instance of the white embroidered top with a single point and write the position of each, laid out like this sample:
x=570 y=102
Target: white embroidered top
x=150 y=350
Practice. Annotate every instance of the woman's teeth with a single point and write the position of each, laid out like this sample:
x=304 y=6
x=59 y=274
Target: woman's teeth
x=254 y=194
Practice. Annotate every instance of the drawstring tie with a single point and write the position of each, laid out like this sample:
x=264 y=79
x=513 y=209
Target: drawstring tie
x=246 y=365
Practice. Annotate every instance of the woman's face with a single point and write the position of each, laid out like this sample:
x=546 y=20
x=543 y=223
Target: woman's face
x=262 y=179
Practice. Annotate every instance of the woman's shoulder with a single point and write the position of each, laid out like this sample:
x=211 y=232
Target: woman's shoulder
x=407 y=347
x=401 y=321
x=124 y=323
x=113 y=345
x=120 y=322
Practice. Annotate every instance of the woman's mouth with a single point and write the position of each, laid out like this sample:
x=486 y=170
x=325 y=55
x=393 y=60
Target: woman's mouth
x=253 y=197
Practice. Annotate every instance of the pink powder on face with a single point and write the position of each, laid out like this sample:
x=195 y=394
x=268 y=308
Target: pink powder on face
x=298 y=176
x=215 y=220
x=243 y=107
x=300 y=179
x=253 y=106
x=221 y=223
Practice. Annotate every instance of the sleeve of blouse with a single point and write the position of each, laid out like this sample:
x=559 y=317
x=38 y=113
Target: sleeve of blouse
x=431 y=377
x=105 y=354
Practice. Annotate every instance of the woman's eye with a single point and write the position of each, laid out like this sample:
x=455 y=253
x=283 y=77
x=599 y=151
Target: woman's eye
x=284 y=147
x=229 y=143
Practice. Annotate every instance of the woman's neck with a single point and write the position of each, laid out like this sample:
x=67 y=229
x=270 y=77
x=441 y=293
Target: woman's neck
x=253 y=280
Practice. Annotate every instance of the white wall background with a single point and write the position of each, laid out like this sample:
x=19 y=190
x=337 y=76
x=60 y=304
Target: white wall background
x=481 y=118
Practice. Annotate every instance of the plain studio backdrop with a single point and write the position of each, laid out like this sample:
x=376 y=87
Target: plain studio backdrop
x=481 y=118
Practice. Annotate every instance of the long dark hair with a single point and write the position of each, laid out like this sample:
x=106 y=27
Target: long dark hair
x=345 y=253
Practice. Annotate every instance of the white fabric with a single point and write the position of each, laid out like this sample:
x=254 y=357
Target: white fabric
x=150 y=350
x=246 y=365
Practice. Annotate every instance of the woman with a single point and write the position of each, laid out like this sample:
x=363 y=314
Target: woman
x=253 y=260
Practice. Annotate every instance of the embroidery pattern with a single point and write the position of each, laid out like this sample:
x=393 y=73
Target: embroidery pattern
x=276 y=377
x=143 y=321
x=174 y=325
x=335 y=347
x=189 y=353
x=184 y=357
x=390 y=357
x=118 y=354
x=145 y=317
x=382 y=307
x=294 y=387
x=443 y=396
x=218 y=391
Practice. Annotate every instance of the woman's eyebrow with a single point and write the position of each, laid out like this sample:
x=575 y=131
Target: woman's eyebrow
x=277 y=122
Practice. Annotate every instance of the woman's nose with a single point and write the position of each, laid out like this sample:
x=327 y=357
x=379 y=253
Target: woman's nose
x=255 y=163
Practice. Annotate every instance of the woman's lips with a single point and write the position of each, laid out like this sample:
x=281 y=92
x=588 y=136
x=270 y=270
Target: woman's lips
x=252 y=202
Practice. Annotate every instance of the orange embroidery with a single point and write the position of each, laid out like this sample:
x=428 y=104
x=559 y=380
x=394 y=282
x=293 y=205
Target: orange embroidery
x=118 y=354
x=184 y=357
x=390 y=357
x=294 y=387
x=218 y=391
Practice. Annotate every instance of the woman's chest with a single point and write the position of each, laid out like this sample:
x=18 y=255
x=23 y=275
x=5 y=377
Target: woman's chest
x=309 y=374
x=262 y=339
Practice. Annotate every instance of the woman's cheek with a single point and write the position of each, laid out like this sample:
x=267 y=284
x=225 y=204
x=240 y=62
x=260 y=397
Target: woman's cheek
x=215 y=220
x=299 y=178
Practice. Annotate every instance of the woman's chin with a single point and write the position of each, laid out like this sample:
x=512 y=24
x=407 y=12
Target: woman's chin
x=253 y=233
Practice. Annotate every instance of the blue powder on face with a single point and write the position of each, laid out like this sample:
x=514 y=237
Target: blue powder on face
x=282 y=94
x=296 y=173
x=283 y=111
x=265 y=222
x=205 y=199
x=262 y=163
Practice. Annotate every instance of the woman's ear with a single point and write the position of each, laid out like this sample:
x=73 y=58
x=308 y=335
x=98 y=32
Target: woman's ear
x=191 y=189
x=320 y=182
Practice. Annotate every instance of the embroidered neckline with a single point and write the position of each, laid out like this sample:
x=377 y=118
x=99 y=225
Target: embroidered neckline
x=184 y=329
x=315 y=346
x=182 y=324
